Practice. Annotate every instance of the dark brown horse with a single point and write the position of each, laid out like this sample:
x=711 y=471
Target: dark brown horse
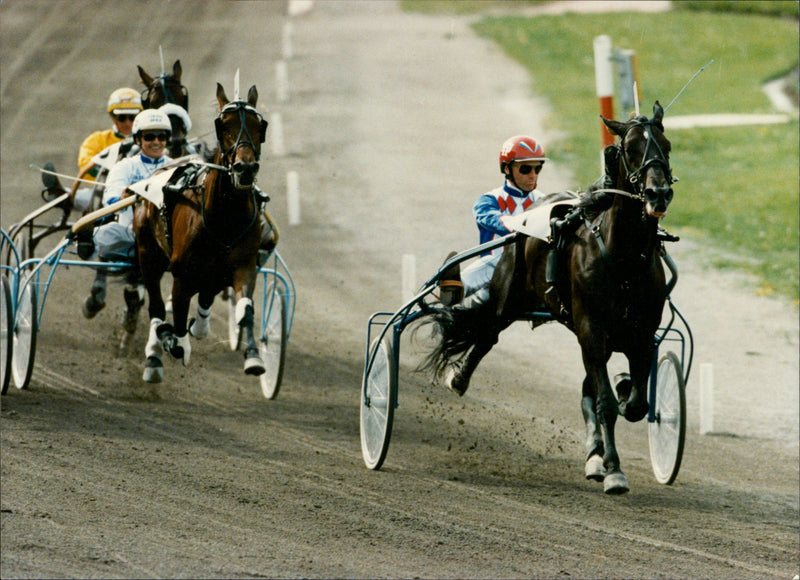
x=164 y=88
x=208 y=241
x=612 y=290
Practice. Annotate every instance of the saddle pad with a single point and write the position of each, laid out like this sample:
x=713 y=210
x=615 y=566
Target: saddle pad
x=152 y=188
x=108 y=157
x=536 y=222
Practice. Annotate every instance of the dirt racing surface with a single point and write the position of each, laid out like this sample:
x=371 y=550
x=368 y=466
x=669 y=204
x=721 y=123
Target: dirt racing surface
x=393 y=123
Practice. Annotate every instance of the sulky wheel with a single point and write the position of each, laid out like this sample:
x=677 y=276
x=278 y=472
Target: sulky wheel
x=6 y=331
x=234 y=331
x=272 y=347
x=667 y=433
x=24 y=335
x=378 y=400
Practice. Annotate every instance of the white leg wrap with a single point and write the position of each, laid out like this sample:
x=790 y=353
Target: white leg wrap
x=201 y=325
x=153 y=346
x=183 y=342
x=241 y=305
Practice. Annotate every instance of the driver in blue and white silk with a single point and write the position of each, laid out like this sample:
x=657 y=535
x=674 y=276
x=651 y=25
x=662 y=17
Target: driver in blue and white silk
x=115 y=240
x=521 y=160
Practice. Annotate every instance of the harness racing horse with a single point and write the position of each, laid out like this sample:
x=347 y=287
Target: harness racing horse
x=612 y=291
x=164 y=88
x=208 y=239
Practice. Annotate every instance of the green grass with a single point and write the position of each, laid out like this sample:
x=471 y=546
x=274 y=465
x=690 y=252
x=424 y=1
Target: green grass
x=739 y=186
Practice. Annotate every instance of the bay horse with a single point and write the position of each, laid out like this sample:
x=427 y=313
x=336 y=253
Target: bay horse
x=163 y=89
x=209 y=239
x=611 y=285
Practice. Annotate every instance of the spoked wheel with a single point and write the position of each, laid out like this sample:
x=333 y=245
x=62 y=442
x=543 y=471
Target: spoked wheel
x=272 y=347
x=667 y=433
x=234 y=332
x=378 y=403
x=6 y=332
x=24 y=336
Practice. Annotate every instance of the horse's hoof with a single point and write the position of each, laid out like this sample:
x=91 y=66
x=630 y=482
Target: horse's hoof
x=616 y=483
x=199 y=327
x=634 y=414
x=153 y=370
x=595 y=469
x=254 y=366
x=453 y=380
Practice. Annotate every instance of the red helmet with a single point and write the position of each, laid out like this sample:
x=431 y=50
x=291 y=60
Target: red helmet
x=520 y=148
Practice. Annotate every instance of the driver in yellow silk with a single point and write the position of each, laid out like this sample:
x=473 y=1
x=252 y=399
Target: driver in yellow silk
x=123 y=105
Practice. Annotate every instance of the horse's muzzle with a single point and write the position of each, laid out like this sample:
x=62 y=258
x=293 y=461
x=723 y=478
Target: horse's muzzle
x=244 y=174
x=657 y=200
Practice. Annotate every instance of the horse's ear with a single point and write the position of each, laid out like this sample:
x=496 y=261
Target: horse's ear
x=252 y=96
x=177 y=70
x=221 y=98
x=658 y=114
x=615 y=127
x=146 y=78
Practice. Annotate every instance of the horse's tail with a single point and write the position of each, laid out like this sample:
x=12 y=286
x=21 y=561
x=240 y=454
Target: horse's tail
x=457 y=330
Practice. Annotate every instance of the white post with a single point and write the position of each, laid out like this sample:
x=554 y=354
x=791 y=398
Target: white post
x=706 y=399
x=409 y=285
x=276 y=135
x=288 y=53
x=293 y=197
x=281 y=81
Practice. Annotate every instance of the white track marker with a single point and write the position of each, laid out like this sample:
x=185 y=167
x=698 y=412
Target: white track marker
x=409 y=284
x=281 y=81
x=276 y=135
x=293 y=197
x=288 y=30
x=706 y=399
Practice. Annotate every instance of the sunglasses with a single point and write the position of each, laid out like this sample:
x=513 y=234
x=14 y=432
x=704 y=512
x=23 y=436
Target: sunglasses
x=125 y=118
x=526 y=169
x=161 y=136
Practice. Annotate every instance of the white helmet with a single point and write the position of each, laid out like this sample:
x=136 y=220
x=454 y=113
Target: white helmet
x=151 y=119
x=172 y=109
x=124 y=101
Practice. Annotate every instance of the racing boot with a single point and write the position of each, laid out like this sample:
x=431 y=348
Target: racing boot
x=451 y=289
x=52 y=186
x=96 y=300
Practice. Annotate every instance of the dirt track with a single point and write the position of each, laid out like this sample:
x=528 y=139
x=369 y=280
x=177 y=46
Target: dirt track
x=392 y=123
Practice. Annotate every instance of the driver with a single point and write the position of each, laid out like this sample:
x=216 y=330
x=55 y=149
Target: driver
x=115 y=240
x=123 y=105
x=521 y=161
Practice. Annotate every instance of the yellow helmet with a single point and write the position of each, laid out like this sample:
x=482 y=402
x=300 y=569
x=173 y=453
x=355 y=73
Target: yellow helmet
x=124 y=101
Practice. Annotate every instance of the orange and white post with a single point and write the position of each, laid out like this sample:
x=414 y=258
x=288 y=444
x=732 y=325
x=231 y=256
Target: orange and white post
x=604 y=80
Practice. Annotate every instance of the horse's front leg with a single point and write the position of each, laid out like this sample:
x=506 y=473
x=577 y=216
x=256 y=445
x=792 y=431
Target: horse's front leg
x=594 y=467
x=615 y=481
x=200 y=326
x=243 y=283
x=177 y=342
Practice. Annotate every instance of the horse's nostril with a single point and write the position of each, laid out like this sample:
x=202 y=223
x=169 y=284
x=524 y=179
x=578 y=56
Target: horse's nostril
x=239 y=167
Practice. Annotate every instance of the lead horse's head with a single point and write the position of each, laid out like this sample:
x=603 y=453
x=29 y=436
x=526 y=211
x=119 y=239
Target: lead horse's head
x=644 y=152
x=240 y=131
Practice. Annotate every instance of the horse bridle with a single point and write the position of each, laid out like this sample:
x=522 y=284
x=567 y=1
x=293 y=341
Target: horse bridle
x=168 y=95
x=634 y=177
x=242 y=108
